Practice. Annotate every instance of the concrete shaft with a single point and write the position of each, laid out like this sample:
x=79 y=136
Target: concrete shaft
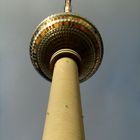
x=64 y=119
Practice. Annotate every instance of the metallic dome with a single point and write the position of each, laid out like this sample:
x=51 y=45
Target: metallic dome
x=66 y=31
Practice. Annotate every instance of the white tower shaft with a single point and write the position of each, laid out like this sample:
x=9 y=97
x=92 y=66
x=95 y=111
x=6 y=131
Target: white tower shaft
x=64 y=119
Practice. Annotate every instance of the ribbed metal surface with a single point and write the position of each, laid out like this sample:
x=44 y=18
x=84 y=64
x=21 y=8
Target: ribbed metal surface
x=62 y=31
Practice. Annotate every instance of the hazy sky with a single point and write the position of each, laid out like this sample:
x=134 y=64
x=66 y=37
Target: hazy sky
x=110 y=99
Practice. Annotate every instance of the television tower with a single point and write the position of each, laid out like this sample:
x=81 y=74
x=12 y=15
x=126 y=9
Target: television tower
x=65 y=49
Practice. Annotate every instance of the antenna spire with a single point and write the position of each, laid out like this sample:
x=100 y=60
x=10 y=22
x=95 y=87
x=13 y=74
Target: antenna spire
x=67 y=7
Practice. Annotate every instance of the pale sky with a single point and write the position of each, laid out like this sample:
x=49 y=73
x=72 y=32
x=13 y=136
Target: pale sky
x=110 y=99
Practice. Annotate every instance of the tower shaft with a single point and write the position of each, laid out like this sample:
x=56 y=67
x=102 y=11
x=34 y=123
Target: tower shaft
x=64 y=119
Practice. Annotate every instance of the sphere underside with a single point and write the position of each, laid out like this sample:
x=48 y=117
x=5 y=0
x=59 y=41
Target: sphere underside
x=66 y=31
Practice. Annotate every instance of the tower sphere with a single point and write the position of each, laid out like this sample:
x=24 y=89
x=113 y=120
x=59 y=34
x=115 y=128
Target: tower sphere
x=66 y=31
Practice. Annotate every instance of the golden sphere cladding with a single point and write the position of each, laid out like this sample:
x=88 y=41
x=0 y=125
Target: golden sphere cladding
x=66 y=31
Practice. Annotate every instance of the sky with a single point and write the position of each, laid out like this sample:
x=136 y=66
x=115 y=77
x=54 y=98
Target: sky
x=110 y=98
